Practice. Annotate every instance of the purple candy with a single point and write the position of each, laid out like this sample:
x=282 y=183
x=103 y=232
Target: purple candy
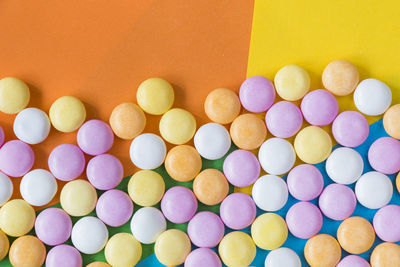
x=304 y=220
x=384 y=155
x=353 y=261
x=319 y=107
x=284 y=119
x=104 y=172
x=114 y=208
x=2 y=136
x=387 y=223
x=53 y=226
x=95 y=137
x=179 y=204
x=257 y=94
x=241 y=168
x=350 y=128
x=202 y=257
x=63 y=256
x=337 y=202
x=16 y=158
x=206 y=229
x=238 y=211
x=66 y=162
x=305 y=182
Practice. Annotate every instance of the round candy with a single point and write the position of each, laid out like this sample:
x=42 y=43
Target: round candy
x=177 y=126
x=2 y=136
x=350 y=128
x=397 y=182
x=38 y=187
x=241 y=168
x=386 y=222
x=340 y=77
x=179 y=204
x=4 y=245
x=63 y=256
x=269 y=231
x=248 y=131
x=66 y=170
x=67 y=113
x=212 y=141
x=385 y=254
x=391 y=122
x=284 y=119
x=14 y=95
x=155 y=96
x=270 y=193
x=238 y=211
x=32 y=126
x=319 y=107
x=322 y=250
x=98 y=264
x=237 y=249
x=114 y=208
x=372 y=97
x=356 y=235
x=353 y=260
x=292 y=82
x=222 y=105
x=127 y=120
x=374 y=190
x=78 y=198
x=257 y=94
x=337 y=202
x=304 y=220
x=313 y=145
x=147 y=151
x=206 y=229
x=305 y=182
x=282 y=257
x=210 y=187
x=146 y=188
x=203 y=257
x=344 y=165
x=89 y=235
x=267 y=155
x=53 y=226
x=172 y=247
x=17 y=217
x=6 y=188
x=147 y=224
x=16 y=158
x=183 y=163
x=104 y=171
x=27 y=251
x=123 y=250
x=95 y=137
x=384 y=155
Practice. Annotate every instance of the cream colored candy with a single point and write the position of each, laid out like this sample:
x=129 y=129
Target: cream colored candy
x=123 y=250
x=385 y=255
x=146 y=188
x=292 y=82
x=322 y=250
x=17 y=217
x=14 y=95
x=127 y=120
x=98 y=264
x=237 y=249
x=391 y=121
x=177 y=126
x=248 y=131
x=172 y=247
x=222 y=105
x=155 y=96
x=183 y=163
x=78 y=197
x=269 y=231
x=356 y=235
x=313 y=145
x=340 y=77
x=67 y=113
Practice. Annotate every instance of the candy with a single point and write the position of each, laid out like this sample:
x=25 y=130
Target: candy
x=16 y=158
x=212 y=141
x=241 y=168
x=305 y=182
x=66 y=170
x=89 y=235
x=284 y=119
x=322 y=250
x=337 y=202
x=63 y=256
x=257 y=94
x=53 y=226
x=397 y=182
x=269 y=231
x=206 y=229
x=95 y=137
x=78 y=198
x=292 y=82
x=356 y=235
x=14 y=95
x=148 y=151
x=385 y=254
x=353 y=260
x=155 y=96
x=282 y=257
x=147 y=224
x=183 y=163
x=340 y=77
x=344 y=165
x=123 y=250
x=4 y=245
x=146 y=188
x=179 y=204
x=267 y=155
x=114 y=208
x=248 y=131
x=238 y=211
x=27 y=251
x=172 y=247
x=386 y=222
x=237 y=249
x=203 y=257
x=374 y=190
x=38 y=187
x=350 y=128
x=104 y=171
x=32 y=126
x=98 y=264
x=210 y=187
x=304 y=220
x=17 y=217
x=270 y=193
x=67 y=113
x=372 y=97
x=319 y=107
x=384 y=155
x=177 y=126
x=6 y=188
x=2 y=136
x=127 y=120
x=313 y=145
x=391 y=121
x=222 y=105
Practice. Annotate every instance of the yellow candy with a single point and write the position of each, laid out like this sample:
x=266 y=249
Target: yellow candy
x=67 y=113
x=248 y=131
x=14 y=95
x=391 y=121
x=356 y=235
x=386 y=255
x=322 y=250
x=222 y=105
x=237 y=249
x=292 y=82
x=177 y=126
x=78 y=197
x=4 y=245
x=123 y=250
x=155 y=96
x=127 y=120
x=398 y=182
x=98 y=264
x=172 y=247
x=313 y=145
x=183 y=163
x=269 y=231
x=17 y=217
x=27 y=251
x=146 y=188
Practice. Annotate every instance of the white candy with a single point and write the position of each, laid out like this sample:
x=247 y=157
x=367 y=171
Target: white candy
x=148 y=151
x=6 y=188
x=374 y=190
x=89 y=235
x=212 y=141
x=38 y=187
x=147 y=224
x=276 y=156
x=32 y=126
x=270 y=193
x=344 y=165
x=372 y=97
x=282 y=257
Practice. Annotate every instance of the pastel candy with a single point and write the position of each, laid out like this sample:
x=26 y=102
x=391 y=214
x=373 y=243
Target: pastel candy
x=38 y=187
x=63 y=256
x=114 y=208
x=319 y=107
x=222 y=105
x=385 y=254
x=155 y=96
x=212 y=141
x=270 y=162
x=172 y=247
x=322 y=250
x=78 y=197
x=313 y=145
x=337 y=202
x=238 y=211
x=14 y=95
x=282 y=257
x=257 y=94
x=89 y=235
x=391 y=121
x=284 y=119
x=177 y=126
x=95 y=137
x=241 y=168
x=270 y=193
x=104 y=171
x=292 y=82
x=356 y=235
x=248 y=131
x=147 y=151
x=32 y=126
x=344 y=165
x=386 y=222
x=123 y=250
x=350 y=128
x=16 y=158
x=304 y=220
x=4 y=245
x=17 y=217
x=27 y=251
x=372 y=97
x=210 y=187
x=269 y=231
x=146 y=188
x=53 y=226
x=67 y=113
x=374 y=190
x=384 y=155
x=183 y=162
x=340 y=77
x=305 y=182
x=202 y=257
x=127 y=120
x=237 y=249
x=206 y=229
x=66 y=170
x=6 y=188
x=147 y=224
x=2 y=136
x=179 y=204
x=353 y=260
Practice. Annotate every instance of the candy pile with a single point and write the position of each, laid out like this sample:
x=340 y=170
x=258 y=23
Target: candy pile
x=253 y=163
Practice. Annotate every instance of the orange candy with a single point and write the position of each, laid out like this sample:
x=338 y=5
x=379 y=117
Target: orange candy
x=27 y=251
x=127 y=120
x=210 y=187
x=391 y=121
x=222 y=105
x=356 y=235
x=340 y=77
x=4 y=245
x=385 y=254
x=183 y=163
x=248 y=131
x=322 y=250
